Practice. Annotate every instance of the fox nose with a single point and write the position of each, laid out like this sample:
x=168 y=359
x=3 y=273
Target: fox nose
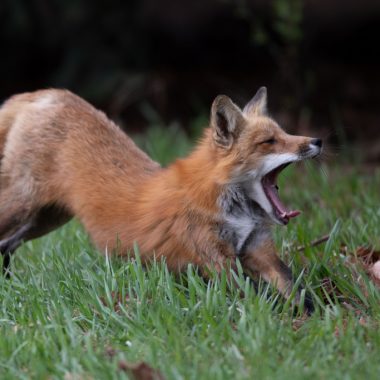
x=316 y=142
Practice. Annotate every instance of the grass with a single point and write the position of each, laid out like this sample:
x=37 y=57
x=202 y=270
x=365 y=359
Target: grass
x=71 y=313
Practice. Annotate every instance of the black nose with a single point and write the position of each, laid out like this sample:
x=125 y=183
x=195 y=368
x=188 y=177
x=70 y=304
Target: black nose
x=317 y=142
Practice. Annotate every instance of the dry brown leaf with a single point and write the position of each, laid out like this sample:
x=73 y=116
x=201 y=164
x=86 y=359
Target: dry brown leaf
x=374 y=272
x=366 y=257
x=376 y=269
x=141 y=371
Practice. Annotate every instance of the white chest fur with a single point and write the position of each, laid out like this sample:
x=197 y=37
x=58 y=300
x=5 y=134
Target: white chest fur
x=243 y=223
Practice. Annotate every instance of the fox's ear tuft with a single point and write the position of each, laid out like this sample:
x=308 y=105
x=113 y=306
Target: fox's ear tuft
x=226 y=118
x=258 y=104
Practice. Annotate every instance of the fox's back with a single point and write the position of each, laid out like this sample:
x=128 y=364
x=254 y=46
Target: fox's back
x=56 y=141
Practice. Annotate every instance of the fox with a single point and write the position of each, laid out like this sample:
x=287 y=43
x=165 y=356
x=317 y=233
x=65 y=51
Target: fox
x=62 y=158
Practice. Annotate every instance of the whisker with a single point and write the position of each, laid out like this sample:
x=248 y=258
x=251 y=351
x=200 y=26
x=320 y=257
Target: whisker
x=315 y=164
x=323 y=171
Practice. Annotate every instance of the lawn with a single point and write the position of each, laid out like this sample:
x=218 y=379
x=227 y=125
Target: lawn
x=70 y=313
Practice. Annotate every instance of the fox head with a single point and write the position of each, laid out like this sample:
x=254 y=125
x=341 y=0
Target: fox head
x=254 y=149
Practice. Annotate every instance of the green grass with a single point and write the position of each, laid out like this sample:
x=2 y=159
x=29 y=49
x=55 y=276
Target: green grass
x=70 y=313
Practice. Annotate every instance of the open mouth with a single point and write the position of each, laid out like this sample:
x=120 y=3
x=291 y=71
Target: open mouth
x=269 y=182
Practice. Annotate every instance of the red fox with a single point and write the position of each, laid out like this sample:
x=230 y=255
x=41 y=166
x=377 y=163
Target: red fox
x=60 y=157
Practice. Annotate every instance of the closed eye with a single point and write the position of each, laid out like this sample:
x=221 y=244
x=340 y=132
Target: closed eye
x=271 y=141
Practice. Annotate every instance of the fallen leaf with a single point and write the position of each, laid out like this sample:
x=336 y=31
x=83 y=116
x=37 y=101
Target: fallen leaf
x=368 y=255
x=141 y=371
x=376 y=269
x=374 y=272
x=367 y=258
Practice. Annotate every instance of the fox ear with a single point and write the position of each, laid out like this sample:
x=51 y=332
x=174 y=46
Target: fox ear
x=258 y=104
x=226 y=119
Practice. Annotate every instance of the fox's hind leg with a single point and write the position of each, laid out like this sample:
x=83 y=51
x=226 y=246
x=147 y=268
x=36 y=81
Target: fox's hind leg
x=23 y=221
x=265 y=262
x=9 y=245
x=41 y=222
x=15 y=221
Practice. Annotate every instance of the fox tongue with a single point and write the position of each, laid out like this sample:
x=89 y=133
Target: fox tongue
x=293 y=214
x=272 y=194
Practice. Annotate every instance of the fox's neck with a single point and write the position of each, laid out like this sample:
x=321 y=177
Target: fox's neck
x=201 y=176
x=206 y=180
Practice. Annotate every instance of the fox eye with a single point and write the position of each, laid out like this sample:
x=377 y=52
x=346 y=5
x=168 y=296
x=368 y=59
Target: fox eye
x=271 y=141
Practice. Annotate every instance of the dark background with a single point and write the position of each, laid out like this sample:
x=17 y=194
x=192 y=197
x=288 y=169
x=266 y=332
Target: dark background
x=138 y=58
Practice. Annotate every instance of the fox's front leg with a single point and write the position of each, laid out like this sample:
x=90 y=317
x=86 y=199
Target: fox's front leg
x=264 y=261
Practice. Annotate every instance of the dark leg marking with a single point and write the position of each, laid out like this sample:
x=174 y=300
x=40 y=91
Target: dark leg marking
x=43 y=221
x=9 y=245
